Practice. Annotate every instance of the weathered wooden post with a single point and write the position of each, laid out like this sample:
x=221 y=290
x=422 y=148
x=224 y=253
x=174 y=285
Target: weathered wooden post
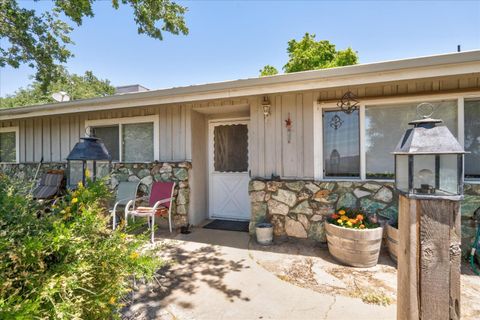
x=429 y=178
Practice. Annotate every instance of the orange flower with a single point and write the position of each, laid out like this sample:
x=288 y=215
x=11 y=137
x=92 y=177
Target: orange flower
x=353 y=221
x=341 y=212
x=362 y=226
x=344 y=218
x=359 y=217
x=335 y=216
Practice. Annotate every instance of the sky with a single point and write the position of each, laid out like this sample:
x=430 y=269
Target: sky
x=230 y=40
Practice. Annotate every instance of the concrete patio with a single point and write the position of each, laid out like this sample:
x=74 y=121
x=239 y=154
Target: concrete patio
x=214 y=274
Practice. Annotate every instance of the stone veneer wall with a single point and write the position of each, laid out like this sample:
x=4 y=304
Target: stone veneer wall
x=298 y=208
x=146 y=173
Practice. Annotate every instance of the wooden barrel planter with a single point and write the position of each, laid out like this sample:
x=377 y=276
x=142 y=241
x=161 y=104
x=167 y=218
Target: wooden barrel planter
x=392 y=242
x=354 y=247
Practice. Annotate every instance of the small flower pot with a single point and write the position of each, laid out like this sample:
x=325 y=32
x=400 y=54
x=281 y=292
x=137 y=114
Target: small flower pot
x=392 y=242
x=354 y=247
x=264 y=233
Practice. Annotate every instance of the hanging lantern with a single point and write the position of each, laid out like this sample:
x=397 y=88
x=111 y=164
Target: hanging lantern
x=348 y=103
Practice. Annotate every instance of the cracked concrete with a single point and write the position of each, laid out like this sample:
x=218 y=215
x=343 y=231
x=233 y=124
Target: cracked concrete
x=213 y=276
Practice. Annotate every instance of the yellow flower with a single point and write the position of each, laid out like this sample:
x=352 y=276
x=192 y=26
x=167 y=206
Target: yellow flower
x=341 y=212
x=344 y=218
x=349 y=223
x=340 y=221
x=80 y=184
x=134 y=255
x=74 y=200
x=87 y=173
x=112 y=300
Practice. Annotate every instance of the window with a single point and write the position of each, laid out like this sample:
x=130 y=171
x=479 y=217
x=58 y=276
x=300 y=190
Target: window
x=472 y=139
x=9 y=144
x=128 y=139
x=341 y=144
x=110 y=137
x=385 y=125
x=231 y=148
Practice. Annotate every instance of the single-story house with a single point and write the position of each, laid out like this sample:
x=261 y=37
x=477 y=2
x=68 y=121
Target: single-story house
x=273 y=148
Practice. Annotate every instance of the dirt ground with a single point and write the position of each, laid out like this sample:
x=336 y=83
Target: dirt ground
x=309 y=265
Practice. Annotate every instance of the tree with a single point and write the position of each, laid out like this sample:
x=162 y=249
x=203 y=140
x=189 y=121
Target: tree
x=76 y=86
x=268 y=70
x=310 y=54
x=40 y=39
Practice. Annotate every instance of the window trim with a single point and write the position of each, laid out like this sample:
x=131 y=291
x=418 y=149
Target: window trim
x=130 y=120
x=319 y=106
x=17 y=143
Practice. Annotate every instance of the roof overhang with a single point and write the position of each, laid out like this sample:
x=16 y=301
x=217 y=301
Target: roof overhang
x=363 y=74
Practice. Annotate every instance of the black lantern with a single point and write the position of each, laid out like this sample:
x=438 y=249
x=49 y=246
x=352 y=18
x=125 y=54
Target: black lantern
x=429 y=162
x=86 y=154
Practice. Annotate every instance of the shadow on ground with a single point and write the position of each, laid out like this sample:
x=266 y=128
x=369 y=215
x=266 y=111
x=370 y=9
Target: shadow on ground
x=184 y=272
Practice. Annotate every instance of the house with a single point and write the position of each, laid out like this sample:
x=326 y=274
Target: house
x=274 y=148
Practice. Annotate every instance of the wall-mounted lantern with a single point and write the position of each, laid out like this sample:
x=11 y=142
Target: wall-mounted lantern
x=266 y=106
x=429 y=178
x=86 y=154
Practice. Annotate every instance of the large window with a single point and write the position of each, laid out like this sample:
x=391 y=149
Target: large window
x=8 y=145
x=472 y=139
x=385 y=125
x=341 y=144
x=128 y=139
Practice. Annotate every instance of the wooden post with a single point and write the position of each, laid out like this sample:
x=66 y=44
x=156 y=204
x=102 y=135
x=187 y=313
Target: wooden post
x=428 y=259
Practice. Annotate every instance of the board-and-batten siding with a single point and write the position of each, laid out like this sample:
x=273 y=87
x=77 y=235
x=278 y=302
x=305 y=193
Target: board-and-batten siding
x=270 y=152
x=53 y=137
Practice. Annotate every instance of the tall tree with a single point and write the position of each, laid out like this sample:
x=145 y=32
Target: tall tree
x=76 y=86
x=40 y=40
x=310 y=54
x=268 y=70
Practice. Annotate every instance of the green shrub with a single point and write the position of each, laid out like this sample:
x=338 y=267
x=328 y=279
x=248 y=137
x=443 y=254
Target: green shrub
x=67 y=263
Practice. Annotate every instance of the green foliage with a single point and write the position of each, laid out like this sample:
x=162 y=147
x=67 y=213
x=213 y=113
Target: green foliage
x=310 y=54
x=76 y=86
x=40 y=40
x=65 y=264
x=268 y=70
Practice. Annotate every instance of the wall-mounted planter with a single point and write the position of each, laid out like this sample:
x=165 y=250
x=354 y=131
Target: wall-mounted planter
x=354 y=247
x=264 y=233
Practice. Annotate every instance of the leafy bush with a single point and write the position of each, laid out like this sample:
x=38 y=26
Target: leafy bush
x=66 y=263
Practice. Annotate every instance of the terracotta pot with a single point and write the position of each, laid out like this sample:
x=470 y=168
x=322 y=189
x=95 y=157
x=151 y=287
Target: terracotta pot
x=354 y=247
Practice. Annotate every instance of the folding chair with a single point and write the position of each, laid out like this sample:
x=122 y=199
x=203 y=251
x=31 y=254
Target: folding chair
x=49 y=186
x=160 y=203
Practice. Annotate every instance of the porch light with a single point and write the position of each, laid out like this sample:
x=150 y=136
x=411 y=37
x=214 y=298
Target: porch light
x=429 y=161
x=266 y=105
x=86 y=154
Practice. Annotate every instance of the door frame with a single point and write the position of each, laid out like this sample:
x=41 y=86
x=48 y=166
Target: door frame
x=211 y=126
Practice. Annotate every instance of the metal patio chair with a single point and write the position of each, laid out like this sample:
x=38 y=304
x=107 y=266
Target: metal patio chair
x=126 y=191
x=160 y=204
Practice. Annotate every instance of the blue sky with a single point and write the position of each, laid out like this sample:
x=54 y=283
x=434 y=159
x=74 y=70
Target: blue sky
x=233 y=39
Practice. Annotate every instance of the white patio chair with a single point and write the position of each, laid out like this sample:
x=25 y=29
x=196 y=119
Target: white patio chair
x=126 y=192
x=160 y=203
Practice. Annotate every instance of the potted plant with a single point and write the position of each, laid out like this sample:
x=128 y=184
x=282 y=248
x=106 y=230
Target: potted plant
x=353 y=239
x=264 y=233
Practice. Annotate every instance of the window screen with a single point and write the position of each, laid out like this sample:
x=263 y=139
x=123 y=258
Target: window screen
x=385 y=125
x=341 y=144
x=137 y=142
x=231 y=148
x=472 y=139
x=109 y=136
x=7 y=147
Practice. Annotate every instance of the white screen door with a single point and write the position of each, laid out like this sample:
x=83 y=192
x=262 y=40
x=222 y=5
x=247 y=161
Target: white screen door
x=228 y=163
